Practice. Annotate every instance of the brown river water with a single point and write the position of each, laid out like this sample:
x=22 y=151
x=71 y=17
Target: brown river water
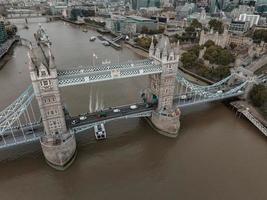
x=217 y=155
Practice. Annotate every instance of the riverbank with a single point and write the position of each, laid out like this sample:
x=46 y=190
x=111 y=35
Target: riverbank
x=5 y=50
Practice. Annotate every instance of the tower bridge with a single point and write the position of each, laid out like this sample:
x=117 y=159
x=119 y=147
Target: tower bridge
x=56 y=130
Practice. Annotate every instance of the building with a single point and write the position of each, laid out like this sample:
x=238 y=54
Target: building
x=224 y=39
x=202 y=3
x=3 y=34
x=242 y=9
x=261 y=7
x=131 y=24
x=137 y=4
x=252 y=19
x=218 y=39
x=216 y=5
x=239 y=27
x=239 y=40
x=186 y=10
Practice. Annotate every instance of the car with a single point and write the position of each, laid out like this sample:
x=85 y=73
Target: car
x=132 y=107
x=29 y=132
x=116 y=110
x=83 y=118
x=75 y=121
x=219 y=92
x=183 y=97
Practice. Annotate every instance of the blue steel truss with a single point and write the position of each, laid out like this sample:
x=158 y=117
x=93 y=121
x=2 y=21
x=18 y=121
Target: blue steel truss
x=10 y=114
x=107 y=72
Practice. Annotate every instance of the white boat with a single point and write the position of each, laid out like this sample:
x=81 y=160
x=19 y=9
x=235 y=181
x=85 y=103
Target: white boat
x=93 y=38
x=100 y=132
x=106 y=43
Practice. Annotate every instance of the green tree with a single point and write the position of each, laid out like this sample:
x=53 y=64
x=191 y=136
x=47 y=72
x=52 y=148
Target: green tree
x=258 y=95
x=260 y=35
x=196 y=24
x=216 y=25
x=216 y=54
x=188 y=59
x=144 y=30
x=209 y=43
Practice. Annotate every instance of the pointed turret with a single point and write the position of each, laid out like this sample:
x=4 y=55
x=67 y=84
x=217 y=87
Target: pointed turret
x=31 y=65
x=165 y=52
x=52 y=64
x=151 y=48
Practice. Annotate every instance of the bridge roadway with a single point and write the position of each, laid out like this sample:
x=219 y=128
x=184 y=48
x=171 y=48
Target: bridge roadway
x=25 y=134
x=93 y=119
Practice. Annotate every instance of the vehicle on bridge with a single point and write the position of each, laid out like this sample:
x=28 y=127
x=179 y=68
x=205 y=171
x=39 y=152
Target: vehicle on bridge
x=101 y=114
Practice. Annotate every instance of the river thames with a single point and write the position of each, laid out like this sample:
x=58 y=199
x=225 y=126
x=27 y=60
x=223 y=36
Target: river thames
x=217 y=156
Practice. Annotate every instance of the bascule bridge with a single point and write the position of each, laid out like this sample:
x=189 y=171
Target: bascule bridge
x=56 y=132
x=58 y=143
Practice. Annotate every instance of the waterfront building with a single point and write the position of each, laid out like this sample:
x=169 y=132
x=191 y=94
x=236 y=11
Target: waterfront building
x=3 y=34
x=130 y=24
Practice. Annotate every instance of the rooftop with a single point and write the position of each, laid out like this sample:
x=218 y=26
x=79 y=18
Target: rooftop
x=138 y=18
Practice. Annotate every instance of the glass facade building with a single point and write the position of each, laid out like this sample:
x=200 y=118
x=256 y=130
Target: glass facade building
x=3 y=34
x=137 y=4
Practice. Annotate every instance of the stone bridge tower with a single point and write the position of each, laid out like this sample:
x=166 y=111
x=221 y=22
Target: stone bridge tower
x=58 y=144
x=166 y=117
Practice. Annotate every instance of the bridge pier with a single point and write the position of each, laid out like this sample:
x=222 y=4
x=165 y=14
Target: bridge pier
x=59 y=152
x=167 y=125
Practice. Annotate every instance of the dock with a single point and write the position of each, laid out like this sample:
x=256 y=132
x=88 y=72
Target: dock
x=246 y=112
x=112 y=43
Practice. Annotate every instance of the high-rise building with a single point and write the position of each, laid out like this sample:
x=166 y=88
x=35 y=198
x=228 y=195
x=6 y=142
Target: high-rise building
x=3 y=34
x=137 y=4
x=216 y=5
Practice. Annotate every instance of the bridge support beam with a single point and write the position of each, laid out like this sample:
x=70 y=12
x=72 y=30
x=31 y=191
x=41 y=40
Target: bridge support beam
x=166 y=125
x=59 y=153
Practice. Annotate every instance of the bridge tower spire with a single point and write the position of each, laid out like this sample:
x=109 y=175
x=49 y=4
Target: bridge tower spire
x=58 y=144
x=166 y=117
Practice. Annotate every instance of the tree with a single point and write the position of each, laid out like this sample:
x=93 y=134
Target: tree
x=216 y=54
x=258 y=95
x=188 y=59
x=216 y=25
x=209 y=43
x=144 y=30
x=196 y=24
x=144 y=42
x=233 y=45
x=260 y=35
